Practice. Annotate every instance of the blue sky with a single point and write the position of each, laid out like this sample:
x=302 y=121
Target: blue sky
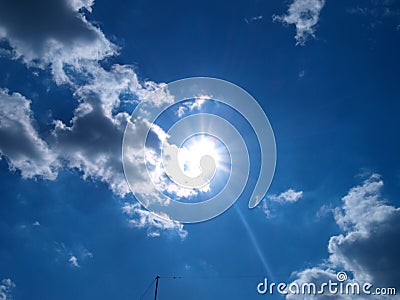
x=324 y=72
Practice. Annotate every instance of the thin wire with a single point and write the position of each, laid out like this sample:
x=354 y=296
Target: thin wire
x=248 y=276
x=147 y=289
x=214 y=277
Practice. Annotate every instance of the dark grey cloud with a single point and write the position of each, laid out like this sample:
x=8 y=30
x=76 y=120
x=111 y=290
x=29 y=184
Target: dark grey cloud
x=52 y=33
x=92 y=144
x=370 y=246
x=35 y=22
x=55 y=34
x=19 y=140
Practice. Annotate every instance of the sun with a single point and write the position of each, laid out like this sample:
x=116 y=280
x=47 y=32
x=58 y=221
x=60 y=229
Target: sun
x=193 y=150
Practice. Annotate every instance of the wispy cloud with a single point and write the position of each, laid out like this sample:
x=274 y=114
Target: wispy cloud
x=304 y=14
x=141 y=218
x=253 y=19
x=324 y=210
x=376 y=9
x=377 y=12
x=189 y=106
x=76 y=255
x=287 y=196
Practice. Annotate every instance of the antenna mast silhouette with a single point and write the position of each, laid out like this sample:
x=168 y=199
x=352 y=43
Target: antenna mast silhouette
x=155 y=293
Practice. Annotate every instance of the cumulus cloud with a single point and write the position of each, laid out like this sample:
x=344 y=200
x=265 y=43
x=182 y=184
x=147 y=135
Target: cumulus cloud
x=6 y=287
x=318 y=277
x=55 y=34
x=20 y=141
x=368 y=247
x=92 y=141
x=52 y=33
x=304 y=14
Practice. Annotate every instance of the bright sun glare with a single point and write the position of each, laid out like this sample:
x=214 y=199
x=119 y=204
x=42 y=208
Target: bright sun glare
x=191 y=154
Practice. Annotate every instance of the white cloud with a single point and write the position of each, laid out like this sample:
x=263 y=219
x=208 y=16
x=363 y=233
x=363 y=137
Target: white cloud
x=75 y=255
x=74 y=261
x=304 y=14
x=36 y=223
x=148 y=184
x=323 y=211
x=368 y=247
x=318 y=277
x=161 y=180
x=79 y=4
x=266 y=209
x=6 y=287
x=92 y=141
x=191 y=105
x=55 y=34
x=20 y=141
x=142 y=218
x=288 y=196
